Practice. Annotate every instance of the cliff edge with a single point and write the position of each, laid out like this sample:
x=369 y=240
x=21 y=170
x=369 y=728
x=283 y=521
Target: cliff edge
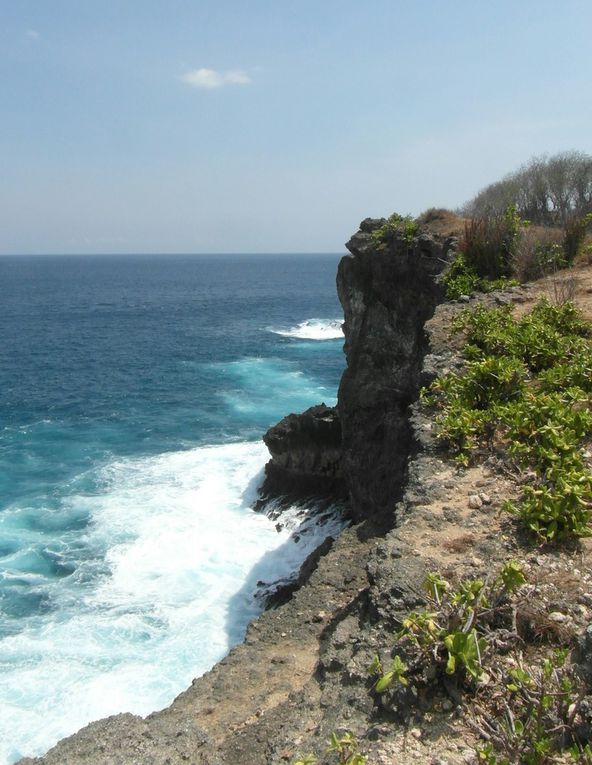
x=302 y=671
x=389 y=286
x=255 y=704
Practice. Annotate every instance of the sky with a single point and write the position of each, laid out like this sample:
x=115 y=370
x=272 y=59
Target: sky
x=208 y=126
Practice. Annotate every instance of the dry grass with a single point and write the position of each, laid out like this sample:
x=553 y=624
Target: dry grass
x=534 y=241
x=562 y=286
x=440 y=222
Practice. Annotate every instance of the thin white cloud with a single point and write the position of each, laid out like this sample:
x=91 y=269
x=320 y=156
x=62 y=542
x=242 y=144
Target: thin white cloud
x=210 y=79
x=32 y=34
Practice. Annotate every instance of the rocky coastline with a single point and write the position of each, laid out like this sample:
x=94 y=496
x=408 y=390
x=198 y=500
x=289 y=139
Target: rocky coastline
x=357 y=451
x=301 y=672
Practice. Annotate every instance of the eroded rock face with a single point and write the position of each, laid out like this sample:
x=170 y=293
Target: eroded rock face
x=387 y=291
x=359 y=451
x=305 y=455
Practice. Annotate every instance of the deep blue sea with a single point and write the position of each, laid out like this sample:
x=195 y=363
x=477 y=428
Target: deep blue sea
x=134 y=391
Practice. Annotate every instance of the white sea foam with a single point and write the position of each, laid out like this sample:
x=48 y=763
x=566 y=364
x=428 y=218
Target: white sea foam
x=180 y=554
x=313 y=329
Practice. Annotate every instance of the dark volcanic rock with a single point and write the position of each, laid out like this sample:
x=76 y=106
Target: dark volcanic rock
x=387 y=291
x=124 y=739
x=305 y=455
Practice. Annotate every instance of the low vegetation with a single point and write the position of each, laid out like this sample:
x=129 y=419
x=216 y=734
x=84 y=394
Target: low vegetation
x=499 y=250
x=450 y=638
x=525 y=395
x=523 y=400
x=469 y=641
x=396 y=226
x=343 y=749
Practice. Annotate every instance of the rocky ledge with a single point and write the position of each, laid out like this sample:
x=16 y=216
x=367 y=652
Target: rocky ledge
x=305 y=454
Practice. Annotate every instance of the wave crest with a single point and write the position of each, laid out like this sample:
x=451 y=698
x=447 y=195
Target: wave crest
x=313 y=329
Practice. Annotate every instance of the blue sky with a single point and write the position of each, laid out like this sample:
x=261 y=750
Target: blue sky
x=271 y=126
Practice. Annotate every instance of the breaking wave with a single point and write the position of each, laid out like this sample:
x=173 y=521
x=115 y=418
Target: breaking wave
x=313 y=329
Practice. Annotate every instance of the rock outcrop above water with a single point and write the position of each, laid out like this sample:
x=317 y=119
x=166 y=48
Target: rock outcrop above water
x=388 y=291
x=305 y=455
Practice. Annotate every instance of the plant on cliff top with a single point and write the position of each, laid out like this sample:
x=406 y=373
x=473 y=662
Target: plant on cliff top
x=527 y=713
x=462 y=279
x=526 y=390
x=450 y=638
x=396 y=225
x=489 y=243
x=344 y=745
x=532 y=714
x=487 y=252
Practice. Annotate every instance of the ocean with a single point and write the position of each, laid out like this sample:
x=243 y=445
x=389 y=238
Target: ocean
x=134 y=391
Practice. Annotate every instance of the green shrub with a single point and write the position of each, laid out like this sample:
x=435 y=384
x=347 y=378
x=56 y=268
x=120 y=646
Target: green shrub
x=449 y=638
x=396 y=226
x=576 y=372
x=344 y=746
x=527 y=387
x=470 y=401
x=462 y=279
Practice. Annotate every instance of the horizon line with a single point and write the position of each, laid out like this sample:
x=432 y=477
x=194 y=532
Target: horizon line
x=164 y=254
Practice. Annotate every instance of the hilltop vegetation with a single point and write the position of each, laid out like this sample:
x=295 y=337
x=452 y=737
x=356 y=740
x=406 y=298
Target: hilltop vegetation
x=547 y=191
x=532 y=223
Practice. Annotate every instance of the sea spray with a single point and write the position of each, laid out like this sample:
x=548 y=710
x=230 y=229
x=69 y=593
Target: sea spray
x=133 y=396
x=313 y=329
x=184 y=554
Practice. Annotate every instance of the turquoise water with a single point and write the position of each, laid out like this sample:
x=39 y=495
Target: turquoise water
x=134 y=391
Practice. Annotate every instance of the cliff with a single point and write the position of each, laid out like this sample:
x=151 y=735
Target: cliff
x=302 y=671
x=305 y=454
x=388 y=292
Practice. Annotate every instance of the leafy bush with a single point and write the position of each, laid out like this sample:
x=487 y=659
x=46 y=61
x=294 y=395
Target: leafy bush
x=462 y=279
x=526 y=388
x=548 y=335
x=575 y=371
x=450 y=638
x=396 y=226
